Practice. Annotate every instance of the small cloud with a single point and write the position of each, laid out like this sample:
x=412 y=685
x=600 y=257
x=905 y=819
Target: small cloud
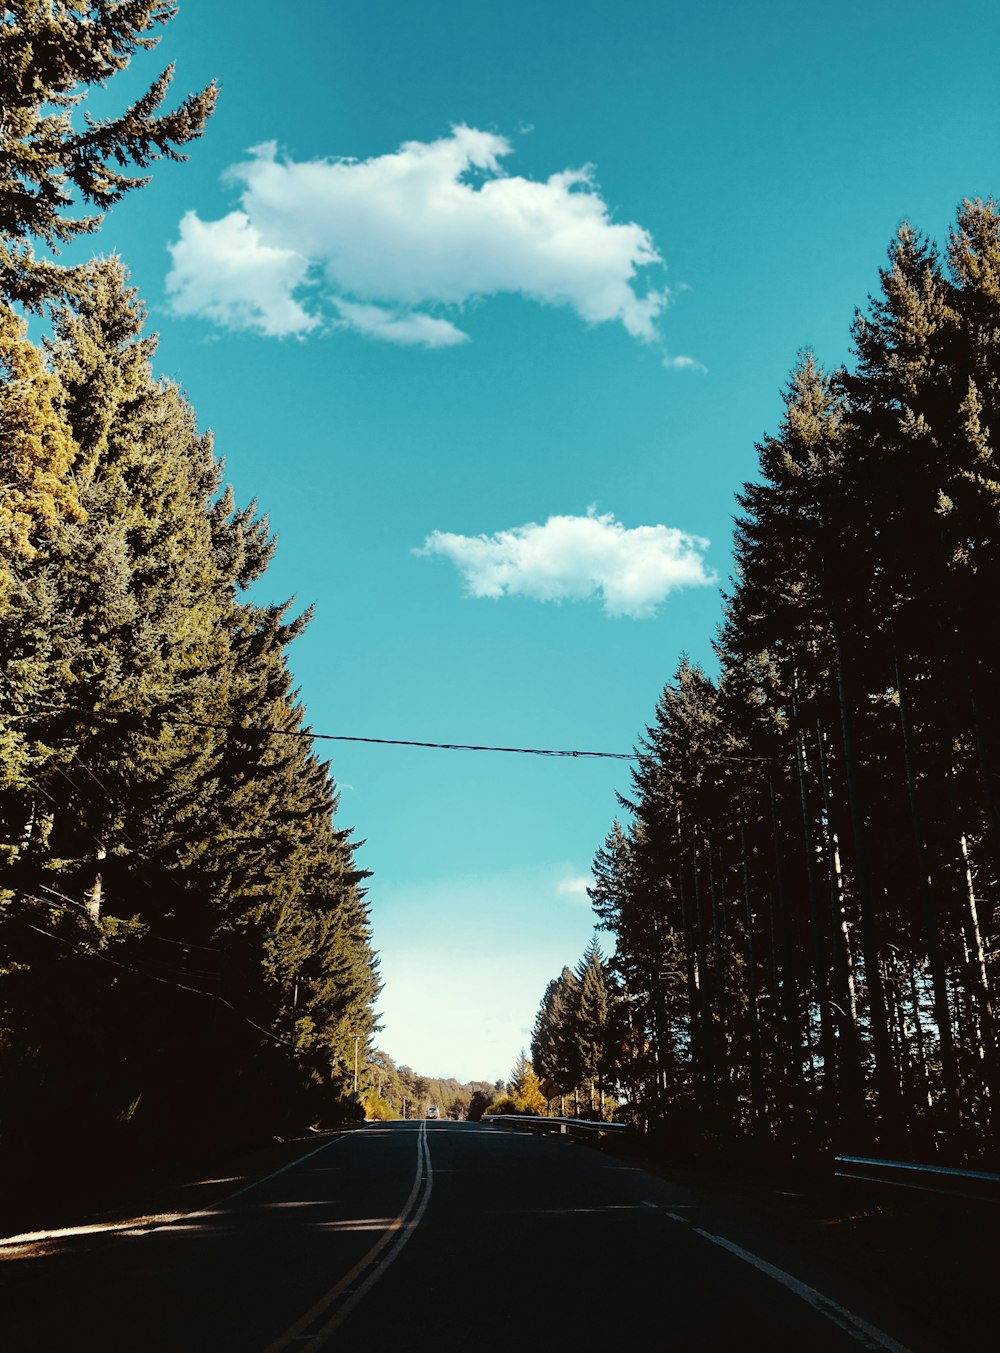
x=578 y=559
x=682 y=363
x=436 y=223
x=410 y=329
x=226 y=272
x=576 y=888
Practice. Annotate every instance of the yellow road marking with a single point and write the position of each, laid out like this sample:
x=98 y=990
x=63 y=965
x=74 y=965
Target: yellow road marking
x=396 y=1234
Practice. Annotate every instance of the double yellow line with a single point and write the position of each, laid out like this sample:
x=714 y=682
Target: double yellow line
x=312 y=1330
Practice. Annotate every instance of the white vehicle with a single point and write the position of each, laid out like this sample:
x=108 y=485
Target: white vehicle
x=433 y=1111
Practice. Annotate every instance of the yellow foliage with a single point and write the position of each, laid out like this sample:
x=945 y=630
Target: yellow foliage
x=37 y=449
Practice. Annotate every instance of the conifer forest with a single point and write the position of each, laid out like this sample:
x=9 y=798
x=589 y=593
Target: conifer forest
x=802 y=885
x=184 y=933
x=801 y=890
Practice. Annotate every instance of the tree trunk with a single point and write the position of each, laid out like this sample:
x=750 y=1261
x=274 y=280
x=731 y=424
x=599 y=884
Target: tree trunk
x=932 y=933
x=819 y=931
x=980 y=987
x=693 y=974
x=788 y=980
x=94 y=896
x=844 y=1003
x=758 y=1109
x=886 y=1077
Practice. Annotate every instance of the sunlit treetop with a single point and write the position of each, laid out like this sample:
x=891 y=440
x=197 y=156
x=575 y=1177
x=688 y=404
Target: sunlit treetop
x=54 y=166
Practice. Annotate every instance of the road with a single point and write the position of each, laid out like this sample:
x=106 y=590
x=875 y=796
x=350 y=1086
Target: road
x=423 y=1234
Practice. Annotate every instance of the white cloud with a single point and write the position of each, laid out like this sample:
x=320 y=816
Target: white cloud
x=226 y=272
x=578 y=558
x=433 y=224
x=683 y=363
x=575 y=887
x=411 y=330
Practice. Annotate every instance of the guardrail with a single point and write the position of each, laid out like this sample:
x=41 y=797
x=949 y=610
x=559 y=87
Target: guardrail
x=972 y=1185
x=562 y=1125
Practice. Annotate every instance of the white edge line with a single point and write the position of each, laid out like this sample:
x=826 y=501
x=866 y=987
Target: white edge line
x=137 y=1226
x=866 y=1335
x=211 y=1211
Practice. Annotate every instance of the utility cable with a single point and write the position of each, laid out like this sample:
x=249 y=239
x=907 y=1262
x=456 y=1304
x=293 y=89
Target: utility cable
x=247 y=731
x=149 y=934
x=181 y=986
x=409 y=742
x=144 y=938
x=94 y=716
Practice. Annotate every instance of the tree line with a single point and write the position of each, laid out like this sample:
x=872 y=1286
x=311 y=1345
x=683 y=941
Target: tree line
x=576 y=1051
x=184 y=930
x=398 y=1092
x=803 y=885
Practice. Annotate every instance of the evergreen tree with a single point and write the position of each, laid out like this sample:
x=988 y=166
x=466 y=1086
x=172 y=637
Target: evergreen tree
x=524 y=1088
x=51 y=55
x=555 y=1048
x=37 y=450
x=813 y=842
x=594 y=1021
x=166 y=800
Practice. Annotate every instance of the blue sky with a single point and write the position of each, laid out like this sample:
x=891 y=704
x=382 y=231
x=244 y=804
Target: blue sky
x=487 y=305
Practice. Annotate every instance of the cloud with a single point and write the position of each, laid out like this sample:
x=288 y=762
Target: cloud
x=433 y=224
x=683 y=363
x=395 y=327
x=575 y=887
x=576 y=559
x=225 y=272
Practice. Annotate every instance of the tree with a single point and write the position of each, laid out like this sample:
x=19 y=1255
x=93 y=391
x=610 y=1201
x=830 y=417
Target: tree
x=554 y=1044
x=478 y=1105
x=524 y=1088
x=52 y=54
x=165 y=799
x=803 y=900
x=594 y=1021
x=37 y=449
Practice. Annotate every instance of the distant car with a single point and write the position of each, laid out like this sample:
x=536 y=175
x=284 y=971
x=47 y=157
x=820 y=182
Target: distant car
x=433 y=1111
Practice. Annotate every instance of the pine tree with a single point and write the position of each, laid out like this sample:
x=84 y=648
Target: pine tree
x=37 y=449
x=800 y=583
x=594 y=1021
x=524 y=1088
x=166 y=801
x=555 y=1047
x=122 y=614
x=51 y=55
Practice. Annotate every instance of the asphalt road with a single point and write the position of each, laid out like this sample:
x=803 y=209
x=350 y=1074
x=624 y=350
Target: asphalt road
x=425 y=1235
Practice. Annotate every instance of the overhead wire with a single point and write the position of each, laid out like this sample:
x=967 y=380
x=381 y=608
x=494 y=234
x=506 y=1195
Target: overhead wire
x=186 y=960
x=165 y=981
x=224 y=726
x=147 y=934
x=439 y=746
x=111 y=716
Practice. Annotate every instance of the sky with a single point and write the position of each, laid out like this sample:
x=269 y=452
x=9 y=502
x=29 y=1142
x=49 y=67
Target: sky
x=487 y=305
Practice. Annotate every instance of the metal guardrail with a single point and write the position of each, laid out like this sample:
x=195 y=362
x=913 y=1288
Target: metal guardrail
x=972 y=1185
x=562 y=1125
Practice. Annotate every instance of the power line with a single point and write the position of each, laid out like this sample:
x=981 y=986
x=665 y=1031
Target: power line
x=409 y=742
x=109 y=717
x=147 y=934
x=164 y=981
x=94 y=716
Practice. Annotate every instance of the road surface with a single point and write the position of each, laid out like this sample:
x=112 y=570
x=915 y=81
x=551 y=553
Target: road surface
x=424 y=1234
